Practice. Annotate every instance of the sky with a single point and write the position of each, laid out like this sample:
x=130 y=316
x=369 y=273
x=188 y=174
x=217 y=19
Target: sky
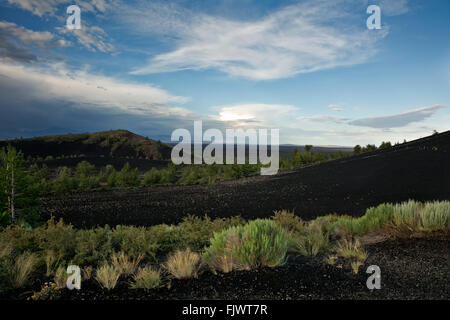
x=310 y=68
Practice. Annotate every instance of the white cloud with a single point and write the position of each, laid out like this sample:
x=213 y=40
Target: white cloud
x=93 y=38
x=335 y=107
x=15 y=42
x=293 y=40
x=57 y=83
x=398 y=120
x=393 y=7
x=255 y=114
x=50 y=7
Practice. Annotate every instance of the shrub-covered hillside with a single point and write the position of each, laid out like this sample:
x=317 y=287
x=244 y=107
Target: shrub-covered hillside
x=118 y=143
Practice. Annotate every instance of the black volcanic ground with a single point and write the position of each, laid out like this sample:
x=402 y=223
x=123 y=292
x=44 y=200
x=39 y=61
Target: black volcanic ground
x=417 y=170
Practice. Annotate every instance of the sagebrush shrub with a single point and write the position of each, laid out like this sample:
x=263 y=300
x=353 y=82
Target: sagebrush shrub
x=407 y=213
x=288 y=221
x=435 y=215
x=258 y=243
x=135 y=242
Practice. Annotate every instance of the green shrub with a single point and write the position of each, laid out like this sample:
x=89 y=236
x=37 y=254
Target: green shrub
x=57 y=239
x=135 y=242
x=311 y=242
x=128 y=177
x=92 y=246
x=64 y=183
x=167 y=238
x=152 y=177
x=147 y=278
x=258 y=243
x=375 y=218
x=288 y=221
x=435 y=215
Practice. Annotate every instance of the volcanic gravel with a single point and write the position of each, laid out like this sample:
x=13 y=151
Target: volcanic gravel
x=417 y=170
x=410 y=269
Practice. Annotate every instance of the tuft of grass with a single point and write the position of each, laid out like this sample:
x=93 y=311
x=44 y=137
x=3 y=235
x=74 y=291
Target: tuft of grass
x=259 y=243
x=355 y=266
x=87 y=272
x=146 y=278
x=407 y=213
x=61 y=277
x=331 y=260
x=351 y=249
x=312 y=242
x=435 y=215
x=21 y=269
x=183 y=264
x=52 y=260
x=126 y=264
x=108 y=276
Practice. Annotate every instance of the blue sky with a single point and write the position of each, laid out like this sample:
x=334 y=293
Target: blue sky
x=310 y=68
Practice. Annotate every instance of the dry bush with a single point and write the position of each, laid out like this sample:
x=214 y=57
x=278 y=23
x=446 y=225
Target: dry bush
x=22 y=268
x=126 y=264
x=183 y=264
x=351 y=249
x=108 y=276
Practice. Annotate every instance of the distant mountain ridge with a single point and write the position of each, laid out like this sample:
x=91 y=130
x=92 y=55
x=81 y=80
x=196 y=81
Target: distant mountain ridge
x=116 y=143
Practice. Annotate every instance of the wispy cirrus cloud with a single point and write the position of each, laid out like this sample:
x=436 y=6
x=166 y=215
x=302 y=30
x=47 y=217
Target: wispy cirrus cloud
x=397 y=120
x=50 y=7
x=293 y=40
x=335 y=107
x=16 y=42
x=92 y=38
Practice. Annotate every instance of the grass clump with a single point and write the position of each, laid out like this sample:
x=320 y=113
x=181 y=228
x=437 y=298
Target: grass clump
x=107 y=276
x=407 y=213
x=126 y=264
x=21 y=269
x=351 y=249
x=311 y=242
x=146 y=278
x=258 y=243
x=183 y=264
x=435 y=215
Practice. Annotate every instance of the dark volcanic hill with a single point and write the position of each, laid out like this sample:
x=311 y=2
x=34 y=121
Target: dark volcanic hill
x=116 y=143
x=417 y=170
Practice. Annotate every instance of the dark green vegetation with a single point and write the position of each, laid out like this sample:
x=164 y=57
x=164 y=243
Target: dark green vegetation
x=117 y=143
x=151 y=256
